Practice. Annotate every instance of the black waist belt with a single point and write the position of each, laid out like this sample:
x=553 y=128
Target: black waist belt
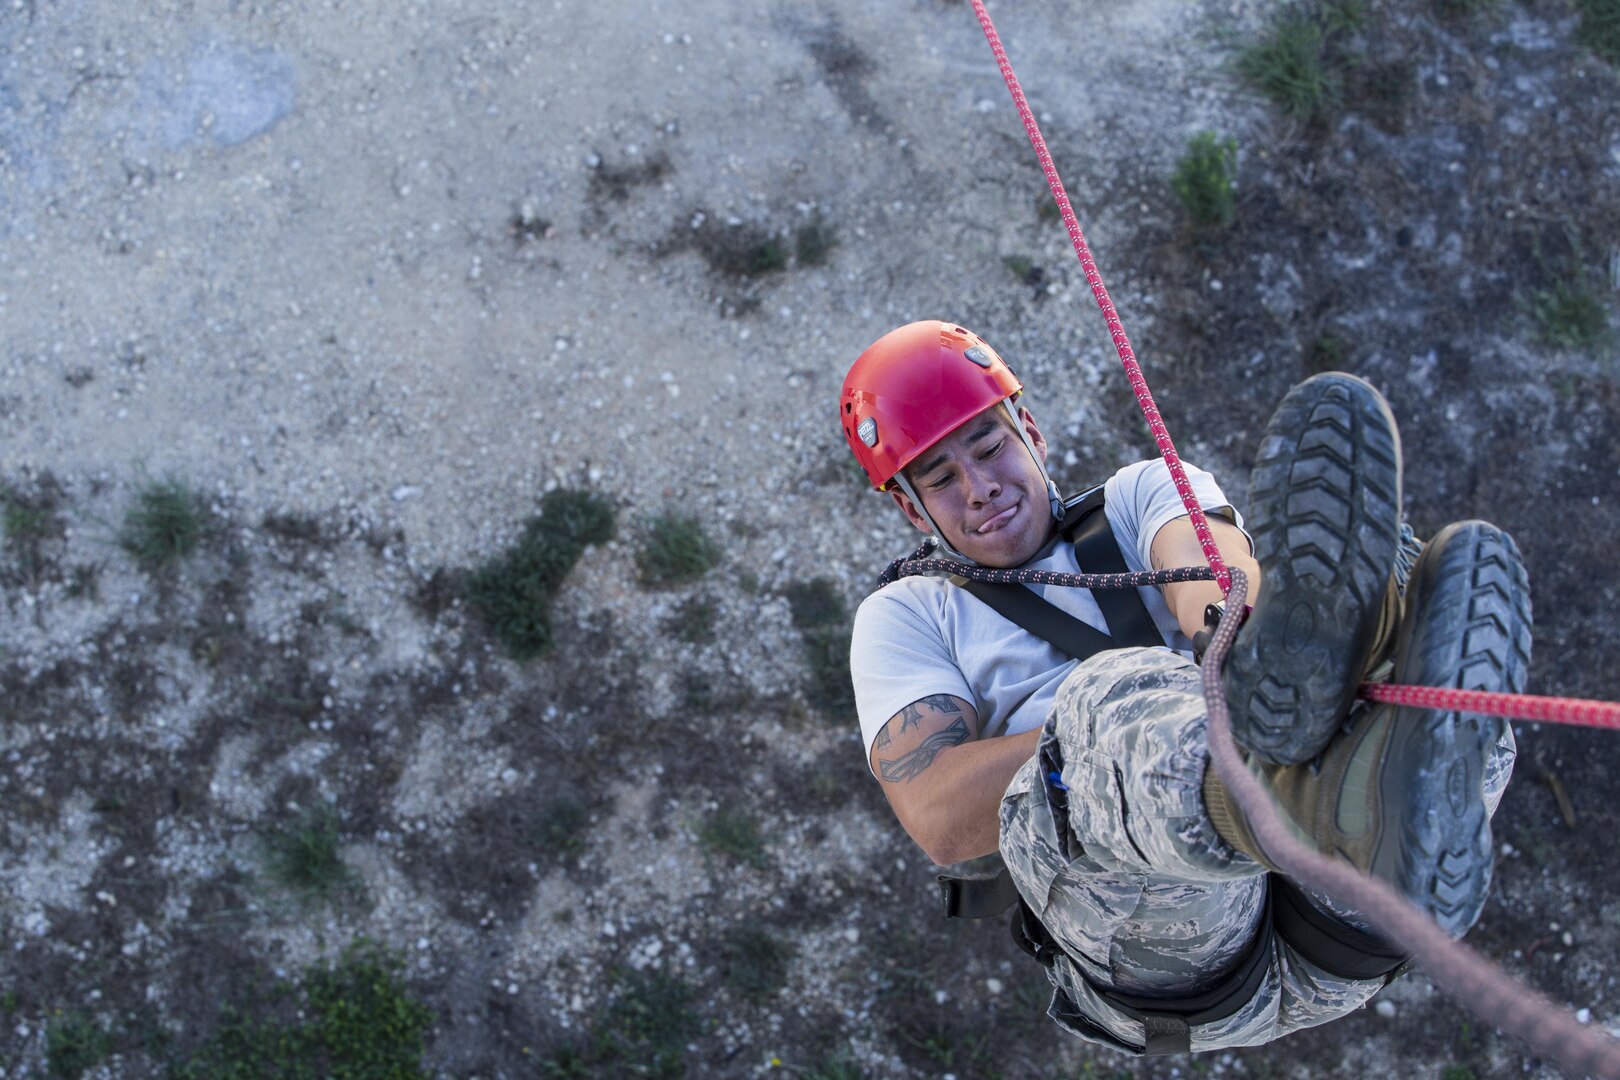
x=1334 y=946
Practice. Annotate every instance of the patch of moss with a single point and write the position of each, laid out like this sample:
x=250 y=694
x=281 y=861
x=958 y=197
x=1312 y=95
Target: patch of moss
x=1600 y=28
x=353 y=1020
x=74 y=1042
x=642 y=1032
x=512 y=592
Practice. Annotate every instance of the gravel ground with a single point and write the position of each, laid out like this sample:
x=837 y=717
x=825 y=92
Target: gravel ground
x=369 y=281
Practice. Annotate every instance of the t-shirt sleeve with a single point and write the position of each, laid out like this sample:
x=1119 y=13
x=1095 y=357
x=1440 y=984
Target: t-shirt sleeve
x=897 y=656
x=1142 y=498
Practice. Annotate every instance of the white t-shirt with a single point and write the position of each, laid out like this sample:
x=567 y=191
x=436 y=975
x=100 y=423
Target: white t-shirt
x=922 y=635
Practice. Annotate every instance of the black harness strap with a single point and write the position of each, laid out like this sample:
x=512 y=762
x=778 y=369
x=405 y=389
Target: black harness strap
x=1098 y=553
x=1085 y=524
x=1337 y=947
x=977 y=898
x=1050 y=623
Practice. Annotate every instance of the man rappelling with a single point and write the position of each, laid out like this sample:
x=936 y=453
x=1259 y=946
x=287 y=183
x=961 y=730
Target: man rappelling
x=1065 y=728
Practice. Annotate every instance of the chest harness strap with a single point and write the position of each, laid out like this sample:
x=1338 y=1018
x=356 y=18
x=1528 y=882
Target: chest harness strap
x=1338 y=948
x=1085 y=525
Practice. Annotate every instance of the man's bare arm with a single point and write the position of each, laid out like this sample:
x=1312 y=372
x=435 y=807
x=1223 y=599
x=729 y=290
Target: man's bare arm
x=944 y=782
x=1177 y=545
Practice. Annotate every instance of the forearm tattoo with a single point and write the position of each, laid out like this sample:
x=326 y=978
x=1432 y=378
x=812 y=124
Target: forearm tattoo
x=908 y=766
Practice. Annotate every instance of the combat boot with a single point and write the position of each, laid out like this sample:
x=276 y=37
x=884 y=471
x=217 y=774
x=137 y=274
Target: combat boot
x=1399 y=791
x=1324 y=514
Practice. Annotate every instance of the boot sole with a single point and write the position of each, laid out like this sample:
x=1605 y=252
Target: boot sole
x=1468 y=627
x=1325 y=498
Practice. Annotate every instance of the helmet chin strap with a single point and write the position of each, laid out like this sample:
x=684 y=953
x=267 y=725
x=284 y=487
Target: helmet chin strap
x=1054 y=498
x=916 y=501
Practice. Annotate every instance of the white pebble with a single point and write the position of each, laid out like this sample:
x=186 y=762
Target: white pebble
x=1583 y=1016
x=1386 y=1009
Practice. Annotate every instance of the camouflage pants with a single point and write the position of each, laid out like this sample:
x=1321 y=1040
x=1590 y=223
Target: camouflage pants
x=1157 y=904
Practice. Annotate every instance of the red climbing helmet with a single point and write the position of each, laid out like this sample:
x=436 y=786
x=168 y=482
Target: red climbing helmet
x=914 y=386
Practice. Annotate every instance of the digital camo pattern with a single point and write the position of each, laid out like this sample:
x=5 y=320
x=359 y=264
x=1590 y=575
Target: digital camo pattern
x=1149 y=900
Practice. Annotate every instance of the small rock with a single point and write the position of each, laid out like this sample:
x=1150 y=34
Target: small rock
x=993 y=985
x=1386 y=1009
x=1583 y=1016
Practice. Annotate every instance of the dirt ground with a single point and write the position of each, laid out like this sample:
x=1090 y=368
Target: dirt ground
x=364 y=282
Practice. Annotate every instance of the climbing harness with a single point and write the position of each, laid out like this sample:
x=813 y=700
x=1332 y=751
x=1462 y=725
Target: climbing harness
x=1489 y=992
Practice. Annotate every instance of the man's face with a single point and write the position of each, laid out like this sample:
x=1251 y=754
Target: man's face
x=984 y=491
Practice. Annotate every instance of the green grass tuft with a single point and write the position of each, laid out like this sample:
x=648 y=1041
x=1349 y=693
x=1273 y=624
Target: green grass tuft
x=692 y=621
x=74 y=1042
x=1021 y=267
x=826 y=652
x=813 y=243
x=643 y=1033
x=561 y=828
x=734 y=833
x=1206 y=180
x=512 y=592
x=823 y=623
x=1464 y=9
x=834 y=1067
x=303 y=857
x=1327 y=352
x=754 y=962
x=814 y=603
x=1600 y=28
x=1290 y=65
x=648 y=1025
x=354 y=1021
x=23 y=522
x=1570 y=314
x=165 y=525
x=675 y=549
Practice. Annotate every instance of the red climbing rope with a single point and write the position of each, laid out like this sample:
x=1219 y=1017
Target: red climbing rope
x=1552 y=710
x=1144 y=397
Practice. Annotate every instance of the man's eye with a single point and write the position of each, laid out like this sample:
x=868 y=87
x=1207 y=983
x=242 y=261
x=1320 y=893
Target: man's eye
x=939 y=482
x=994 y=450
